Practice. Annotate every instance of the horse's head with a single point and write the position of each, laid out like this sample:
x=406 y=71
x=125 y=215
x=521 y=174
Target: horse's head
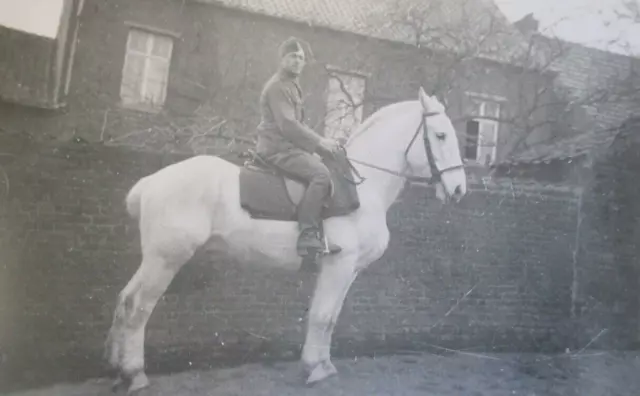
x=439 y=157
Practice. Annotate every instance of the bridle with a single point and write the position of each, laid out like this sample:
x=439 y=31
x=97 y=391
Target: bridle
x=436 y=174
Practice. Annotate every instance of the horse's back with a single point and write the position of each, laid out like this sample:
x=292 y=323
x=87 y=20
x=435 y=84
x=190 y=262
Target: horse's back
x=205 y=167
x=199 y=164
x=184 y=183
x=176 y=205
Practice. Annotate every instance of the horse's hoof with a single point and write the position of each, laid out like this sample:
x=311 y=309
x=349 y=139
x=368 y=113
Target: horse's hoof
x=330 y=368
x=323 y=370
x=138 y=383
x=118 y=384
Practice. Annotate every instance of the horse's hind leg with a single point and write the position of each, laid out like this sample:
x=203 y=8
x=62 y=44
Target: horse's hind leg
x=137 y=300
x=135 y=305
x=114 y=345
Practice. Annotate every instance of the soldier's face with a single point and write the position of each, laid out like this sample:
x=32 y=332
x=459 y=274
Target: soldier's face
x=293 y=62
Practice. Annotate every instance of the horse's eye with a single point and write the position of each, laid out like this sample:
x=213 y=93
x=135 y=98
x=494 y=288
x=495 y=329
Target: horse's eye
x=441 y=135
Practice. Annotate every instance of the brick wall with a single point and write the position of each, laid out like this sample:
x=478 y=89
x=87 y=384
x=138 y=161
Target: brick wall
x=607 y=293
x=493 y=273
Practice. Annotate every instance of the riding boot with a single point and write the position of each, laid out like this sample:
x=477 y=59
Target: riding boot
x=310 y=242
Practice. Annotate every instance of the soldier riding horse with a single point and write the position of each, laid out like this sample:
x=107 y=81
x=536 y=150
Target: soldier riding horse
x=205 y=203
x=289 y=145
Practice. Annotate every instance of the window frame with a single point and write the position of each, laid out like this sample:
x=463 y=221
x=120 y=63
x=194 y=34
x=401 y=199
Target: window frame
x=127 y=101
x=331 y=125
x=483 y=119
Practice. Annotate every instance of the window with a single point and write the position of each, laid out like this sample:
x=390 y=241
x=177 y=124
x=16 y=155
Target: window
x=146 y=69
x=344 y=103
x=482 y=131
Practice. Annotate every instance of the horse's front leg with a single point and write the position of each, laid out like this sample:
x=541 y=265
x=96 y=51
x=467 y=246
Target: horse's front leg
x=334 y=281
x=376 y=250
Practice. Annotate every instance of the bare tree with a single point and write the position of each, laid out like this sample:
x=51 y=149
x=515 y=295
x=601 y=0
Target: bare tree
x=630 y=10
x=456 y=45
x=451 y=46
x=461 y=43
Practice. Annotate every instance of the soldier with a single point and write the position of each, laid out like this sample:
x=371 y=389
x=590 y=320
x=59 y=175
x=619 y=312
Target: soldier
x=287 y=143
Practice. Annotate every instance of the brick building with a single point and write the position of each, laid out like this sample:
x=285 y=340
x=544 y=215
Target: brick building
x=500 y=258
x=35 y=69
x=179 y=55
x=597 y=153
x=597 y=91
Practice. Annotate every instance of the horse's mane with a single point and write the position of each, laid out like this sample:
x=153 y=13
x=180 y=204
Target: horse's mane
x=375 y=118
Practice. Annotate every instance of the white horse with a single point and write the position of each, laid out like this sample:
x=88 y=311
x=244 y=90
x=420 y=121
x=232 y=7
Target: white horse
x=195 y=204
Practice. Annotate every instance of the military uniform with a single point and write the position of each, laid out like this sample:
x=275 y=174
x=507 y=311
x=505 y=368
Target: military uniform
x=288 y=144
x=282 y=125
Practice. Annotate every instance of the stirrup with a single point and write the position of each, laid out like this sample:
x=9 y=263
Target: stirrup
x=309 y=242
x=330 y=248
x=310 y=258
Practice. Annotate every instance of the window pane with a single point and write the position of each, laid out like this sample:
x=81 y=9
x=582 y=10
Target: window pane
x=471 y=141
x=157 y=75
x=133 y=74
x=492 y=109
x=341 y=115
x=485 y=155
x=346 y=114
x=334 y=83
x=336 y=105
x=474 y=107
x=333 y=93
x=162 y=46
x=488 y=133
x=138 y=40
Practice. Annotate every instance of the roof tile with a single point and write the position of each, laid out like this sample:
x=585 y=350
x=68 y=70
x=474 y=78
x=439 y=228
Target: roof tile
x=378 y=18
x=594 y=80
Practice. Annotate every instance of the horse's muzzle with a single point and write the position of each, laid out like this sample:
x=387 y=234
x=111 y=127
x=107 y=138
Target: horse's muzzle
x=457 y=194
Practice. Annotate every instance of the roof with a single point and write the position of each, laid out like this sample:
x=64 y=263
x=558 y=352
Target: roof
x=586 y=71
x=380 y=19
x=596 y=83
x=576 y=146
x=563 y=149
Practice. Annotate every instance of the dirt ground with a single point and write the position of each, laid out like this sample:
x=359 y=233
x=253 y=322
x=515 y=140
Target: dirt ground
x=460 y=374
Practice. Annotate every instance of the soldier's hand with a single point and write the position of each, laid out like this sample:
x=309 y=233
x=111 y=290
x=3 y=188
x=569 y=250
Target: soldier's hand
x=329 y=146
x=336 y=145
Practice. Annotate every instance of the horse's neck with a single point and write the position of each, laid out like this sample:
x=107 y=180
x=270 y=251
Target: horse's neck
x=382 y=145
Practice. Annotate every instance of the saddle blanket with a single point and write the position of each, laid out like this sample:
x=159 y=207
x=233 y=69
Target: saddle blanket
x=267 y=194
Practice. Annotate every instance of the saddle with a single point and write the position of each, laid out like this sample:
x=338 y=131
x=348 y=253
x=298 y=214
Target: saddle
x=267 y=193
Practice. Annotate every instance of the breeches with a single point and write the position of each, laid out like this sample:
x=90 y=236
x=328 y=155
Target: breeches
x=308 y=169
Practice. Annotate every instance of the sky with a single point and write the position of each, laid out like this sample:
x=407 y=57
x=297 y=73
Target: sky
x=40 y=17
x=589 y=22
x=594 y=23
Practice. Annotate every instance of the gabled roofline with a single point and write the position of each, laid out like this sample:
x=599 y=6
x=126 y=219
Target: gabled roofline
x=310 y=23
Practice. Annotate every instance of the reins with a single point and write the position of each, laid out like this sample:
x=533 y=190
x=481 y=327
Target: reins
x=436 y=174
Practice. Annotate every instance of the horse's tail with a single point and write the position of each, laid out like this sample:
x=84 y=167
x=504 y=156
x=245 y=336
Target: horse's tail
x=133 y=200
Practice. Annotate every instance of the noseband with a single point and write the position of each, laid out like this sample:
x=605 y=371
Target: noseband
x=436 y=174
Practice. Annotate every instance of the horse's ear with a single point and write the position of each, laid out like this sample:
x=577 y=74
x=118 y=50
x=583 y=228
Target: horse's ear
x=424 y=99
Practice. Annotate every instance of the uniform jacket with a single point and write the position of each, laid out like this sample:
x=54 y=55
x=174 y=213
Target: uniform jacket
x=281 y=128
